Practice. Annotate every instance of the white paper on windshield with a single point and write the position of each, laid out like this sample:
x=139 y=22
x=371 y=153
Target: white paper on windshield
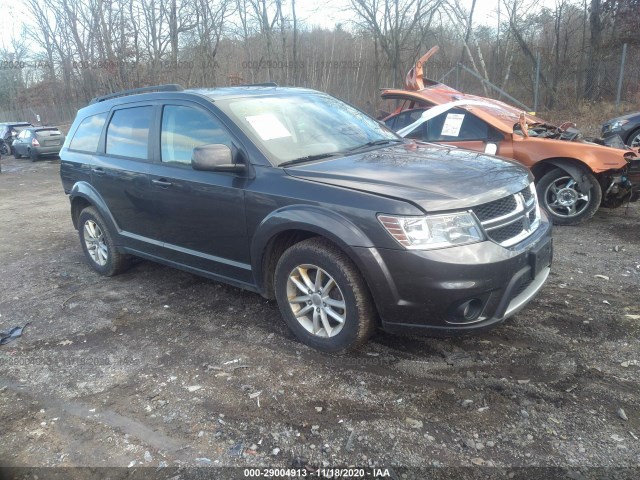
x=268 y=126
x=452 y=124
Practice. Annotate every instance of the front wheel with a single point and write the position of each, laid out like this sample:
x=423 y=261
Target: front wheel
x=97 y=244
x=5 y=149
x=323 y=297
x=634 y=139
x=563 y=199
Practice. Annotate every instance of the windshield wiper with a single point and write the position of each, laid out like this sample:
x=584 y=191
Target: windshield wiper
x=307 y=158
x=373 y=143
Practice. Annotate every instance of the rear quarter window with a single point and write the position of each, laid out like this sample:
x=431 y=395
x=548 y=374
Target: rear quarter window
x=87 y=135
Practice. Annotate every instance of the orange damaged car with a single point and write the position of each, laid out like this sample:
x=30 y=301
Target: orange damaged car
x=574 y=175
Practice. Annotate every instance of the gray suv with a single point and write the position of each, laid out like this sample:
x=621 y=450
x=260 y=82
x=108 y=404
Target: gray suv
x=301 y=198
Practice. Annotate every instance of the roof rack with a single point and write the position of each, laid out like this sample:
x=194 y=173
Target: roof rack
x=171 y=87
x=265 y=84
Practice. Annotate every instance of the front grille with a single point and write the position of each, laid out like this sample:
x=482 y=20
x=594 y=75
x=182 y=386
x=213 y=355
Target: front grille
x=511 y=219
x=495 y=209
x=502 y=234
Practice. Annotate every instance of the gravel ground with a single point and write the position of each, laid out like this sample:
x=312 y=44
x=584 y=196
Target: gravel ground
x=157 y=367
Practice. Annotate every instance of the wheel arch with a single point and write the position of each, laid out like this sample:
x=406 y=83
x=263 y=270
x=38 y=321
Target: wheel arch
x=288 y=226
x=632 y=133
x=83 y=195
x=572 y=166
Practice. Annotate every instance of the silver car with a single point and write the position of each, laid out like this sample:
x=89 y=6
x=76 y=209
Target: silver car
x=36 y=142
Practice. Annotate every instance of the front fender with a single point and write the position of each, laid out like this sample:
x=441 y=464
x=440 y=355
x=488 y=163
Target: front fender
x=87 y=192
x=573 y=169
x=312 y=219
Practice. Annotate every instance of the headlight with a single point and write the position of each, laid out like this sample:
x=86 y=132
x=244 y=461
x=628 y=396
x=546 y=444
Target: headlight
x=534 y=193
x=617 y=125
x=433 y=231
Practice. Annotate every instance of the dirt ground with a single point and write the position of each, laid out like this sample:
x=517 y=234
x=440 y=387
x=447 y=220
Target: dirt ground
x=157 y=367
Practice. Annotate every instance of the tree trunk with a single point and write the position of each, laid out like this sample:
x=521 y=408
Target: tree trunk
x=593 y=62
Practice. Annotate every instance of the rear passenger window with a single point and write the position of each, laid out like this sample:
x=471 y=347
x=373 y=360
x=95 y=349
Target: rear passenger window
x=128 y=132
x=183 y=129
x=87 y=135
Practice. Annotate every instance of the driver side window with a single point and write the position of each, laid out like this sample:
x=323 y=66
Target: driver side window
x=185 y=128
x=456 y=125
x=404 y=119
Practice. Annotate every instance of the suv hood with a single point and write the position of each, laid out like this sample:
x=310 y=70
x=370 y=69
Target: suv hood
x=432 y=177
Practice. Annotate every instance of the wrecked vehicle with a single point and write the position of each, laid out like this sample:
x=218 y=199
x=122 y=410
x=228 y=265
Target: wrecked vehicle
x=574 y=175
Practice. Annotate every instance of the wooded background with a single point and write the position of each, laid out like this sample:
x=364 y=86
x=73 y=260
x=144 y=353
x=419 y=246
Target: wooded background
x=72 y=50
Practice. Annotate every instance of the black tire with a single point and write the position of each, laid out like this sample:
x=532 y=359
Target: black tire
x=557 y=189
x=5 y=149
x=115 y=262
x=634 y=137
x=359 y=313
x=15 y=153
x=33 y=155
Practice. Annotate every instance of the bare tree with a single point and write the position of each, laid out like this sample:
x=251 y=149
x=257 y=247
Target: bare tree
x=595 y=38
x=395 y=24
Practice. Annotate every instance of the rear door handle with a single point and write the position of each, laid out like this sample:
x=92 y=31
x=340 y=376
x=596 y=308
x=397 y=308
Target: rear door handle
x=161 y=183
x=98 y=170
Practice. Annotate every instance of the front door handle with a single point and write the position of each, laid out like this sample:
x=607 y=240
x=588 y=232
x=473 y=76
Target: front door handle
x=98 y=170
x=161 y=183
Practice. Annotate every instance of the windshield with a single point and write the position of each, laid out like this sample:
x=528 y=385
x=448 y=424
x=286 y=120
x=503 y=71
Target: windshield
x=303 y=127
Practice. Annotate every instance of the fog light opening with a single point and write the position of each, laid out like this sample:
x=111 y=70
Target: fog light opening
x=469 y=310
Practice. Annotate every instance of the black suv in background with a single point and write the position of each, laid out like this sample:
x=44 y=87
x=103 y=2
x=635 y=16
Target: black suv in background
x=301 y=198
x=626 y=126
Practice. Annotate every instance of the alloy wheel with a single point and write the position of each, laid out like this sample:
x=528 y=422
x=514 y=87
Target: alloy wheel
x=564 y=198
x=316 y=300
x=95 y=242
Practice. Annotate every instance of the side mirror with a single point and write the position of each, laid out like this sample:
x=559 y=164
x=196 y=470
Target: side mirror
x=214 y=157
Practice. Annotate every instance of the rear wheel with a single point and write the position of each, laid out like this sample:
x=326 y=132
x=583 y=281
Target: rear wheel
x=5 y=149
x=323 y=297
x=97 y=244
x=563 y=199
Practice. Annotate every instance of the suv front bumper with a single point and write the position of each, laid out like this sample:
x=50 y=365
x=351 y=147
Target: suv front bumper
x=418 y=291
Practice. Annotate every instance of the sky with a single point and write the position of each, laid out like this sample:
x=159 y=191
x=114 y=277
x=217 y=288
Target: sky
x=328 y=14
x=335 y=11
